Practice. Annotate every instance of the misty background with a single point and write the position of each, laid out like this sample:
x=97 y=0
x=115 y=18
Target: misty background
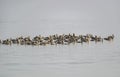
x=34 y=17
x=45 y=17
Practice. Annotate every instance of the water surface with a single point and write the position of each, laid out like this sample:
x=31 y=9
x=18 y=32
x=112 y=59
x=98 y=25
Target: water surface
x=101 y=59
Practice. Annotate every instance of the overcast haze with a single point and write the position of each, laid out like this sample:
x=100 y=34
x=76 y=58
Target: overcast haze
x=45 y=17
x=31 y=17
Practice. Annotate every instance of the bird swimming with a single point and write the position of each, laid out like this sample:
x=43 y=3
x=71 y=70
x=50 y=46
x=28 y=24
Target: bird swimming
x=64 y=39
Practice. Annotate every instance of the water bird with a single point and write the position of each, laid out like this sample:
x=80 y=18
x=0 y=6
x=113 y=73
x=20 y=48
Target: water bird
x=64 y=39
x=109 y=38
x=7 y=42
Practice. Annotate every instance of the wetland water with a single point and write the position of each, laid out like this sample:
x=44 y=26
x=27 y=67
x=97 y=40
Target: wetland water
x=48 y=17
x=101 y=59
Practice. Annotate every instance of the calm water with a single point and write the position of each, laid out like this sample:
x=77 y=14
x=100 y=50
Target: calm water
x=101 y=60
x=46 y=17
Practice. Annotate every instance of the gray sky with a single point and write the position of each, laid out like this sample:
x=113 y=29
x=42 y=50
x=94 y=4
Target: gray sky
x=31 y=17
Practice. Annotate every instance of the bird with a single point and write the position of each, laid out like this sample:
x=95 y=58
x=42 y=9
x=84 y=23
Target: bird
x=109 y=38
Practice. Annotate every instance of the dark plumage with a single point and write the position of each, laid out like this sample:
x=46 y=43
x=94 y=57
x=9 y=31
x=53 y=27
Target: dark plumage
x=56 y=39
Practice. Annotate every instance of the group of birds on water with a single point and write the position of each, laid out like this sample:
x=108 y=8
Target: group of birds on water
x=64 y=39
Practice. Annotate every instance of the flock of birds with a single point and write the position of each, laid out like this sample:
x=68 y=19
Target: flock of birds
x=56 y=39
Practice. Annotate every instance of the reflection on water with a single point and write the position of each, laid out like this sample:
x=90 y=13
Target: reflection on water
x=17 y=58
x=48 y=17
